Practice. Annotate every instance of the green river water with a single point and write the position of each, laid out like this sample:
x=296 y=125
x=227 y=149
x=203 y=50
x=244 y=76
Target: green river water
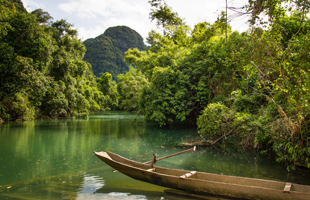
x=53 y=159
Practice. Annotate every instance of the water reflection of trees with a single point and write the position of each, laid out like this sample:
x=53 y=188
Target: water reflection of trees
x=53 y=147
x=50 y=147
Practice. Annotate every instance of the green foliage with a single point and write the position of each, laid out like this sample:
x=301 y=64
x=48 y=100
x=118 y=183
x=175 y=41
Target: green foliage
x=106 y=52
x=164 y=15
x=17 y=107
x=284 y=82
x=19 y=6
x=248 y=103
x=42 y=16
x=108 y=87
x=290 y=25
x=42 y=73
x=165 y=50
x=274 y=9
x=216 y=119
x=129 y=88
x=164 y=101
x=125 y=38
x=260 y=78
x=187 y=72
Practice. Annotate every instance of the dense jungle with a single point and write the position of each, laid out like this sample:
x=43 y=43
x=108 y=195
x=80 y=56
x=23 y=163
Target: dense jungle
x=252 y=87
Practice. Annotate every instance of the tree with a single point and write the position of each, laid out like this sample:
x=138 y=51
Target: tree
x=129 y=88
x=163 y=14
x=42 y=73
x=187 y=71
x=283 y=73
x=42 y=16
x=19 y=6
x=25 y=51
x=274 y=88
x=274 y=9
x=108 y=87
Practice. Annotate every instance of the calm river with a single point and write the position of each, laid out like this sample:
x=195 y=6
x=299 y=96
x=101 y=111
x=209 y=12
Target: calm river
x=53 y=159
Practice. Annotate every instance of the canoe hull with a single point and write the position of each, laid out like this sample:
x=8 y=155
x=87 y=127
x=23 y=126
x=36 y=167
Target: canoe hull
x=205 y=183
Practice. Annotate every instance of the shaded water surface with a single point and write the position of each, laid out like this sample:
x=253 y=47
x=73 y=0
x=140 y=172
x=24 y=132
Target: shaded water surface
x=53 y=159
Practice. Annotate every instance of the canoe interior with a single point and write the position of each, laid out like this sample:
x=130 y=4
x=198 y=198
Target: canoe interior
x=208 y=176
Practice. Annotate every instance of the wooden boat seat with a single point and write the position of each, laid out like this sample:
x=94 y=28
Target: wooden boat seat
x=287 y=187
x=187 y=175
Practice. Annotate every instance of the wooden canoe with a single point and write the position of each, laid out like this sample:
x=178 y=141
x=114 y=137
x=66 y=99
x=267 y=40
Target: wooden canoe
x=206 y=183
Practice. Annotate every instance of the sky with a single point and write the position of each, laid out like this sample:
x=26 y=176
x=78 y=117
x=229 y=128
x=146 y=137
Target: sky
x=92 y=17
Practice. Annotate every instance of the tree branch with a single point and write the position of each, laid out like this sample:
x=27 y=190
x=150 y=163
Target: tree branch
x=225 y=135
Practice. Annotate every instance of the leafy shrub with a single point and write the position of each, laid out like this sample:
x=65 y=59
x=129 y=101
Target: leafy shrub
x=129 y=88
x=216 y=119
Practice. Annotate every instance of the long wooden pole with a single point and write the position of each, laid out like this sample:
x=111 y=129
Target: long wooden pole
x=192 y=149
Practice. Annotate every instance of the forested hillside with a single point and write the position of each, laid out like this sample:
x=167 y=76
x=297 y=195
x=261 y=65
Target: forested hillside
x=106 y=52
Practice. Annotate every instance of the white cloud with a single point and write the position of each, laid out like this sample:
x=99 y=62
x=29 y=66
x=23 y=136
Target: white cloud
x=109 y=13
x=93 y=17
x=90 y=33
x=90 y=9
x=30 y=3
x=141 y=27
